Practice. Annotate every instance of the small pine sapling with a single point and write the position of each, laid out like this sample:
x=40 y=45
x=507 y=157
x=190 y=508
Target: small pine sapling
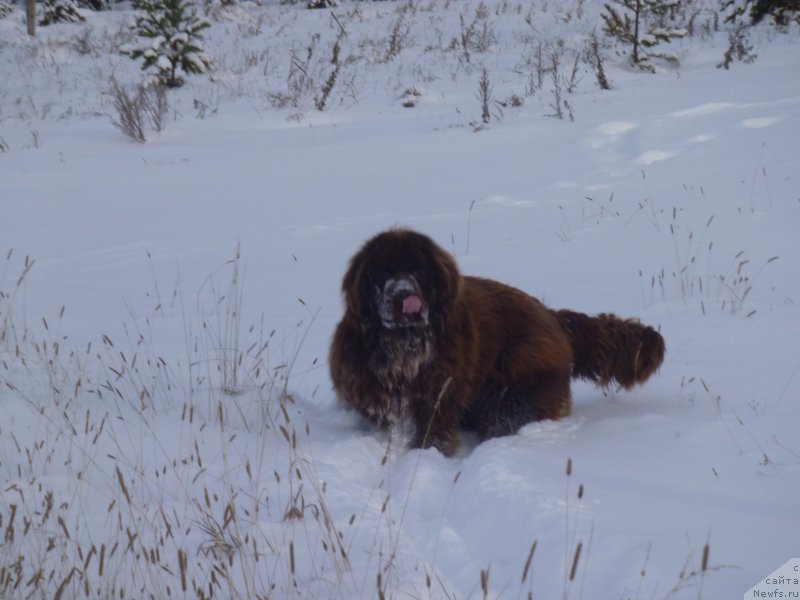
x=96 y=5
x=5 y=9
x=60 y=11
x=642 y=24
x=173 y=29
x=782 y=12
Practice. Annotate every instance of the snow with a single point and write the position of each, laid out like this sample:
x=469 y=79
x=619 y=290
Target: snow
x=178 y=406
x=197 y=60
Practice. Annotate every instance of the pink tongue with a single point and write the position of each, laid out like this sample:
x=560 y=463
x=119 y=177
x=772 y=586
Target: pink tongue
x=412 y=305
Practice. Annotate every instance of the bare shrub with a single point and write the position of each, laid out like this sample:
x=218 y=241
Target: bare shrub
x=533 y=68
x=84 y=44
x=148 y=105
x=477 y=35
x=253 y=27
x=130 y=115
x=739 y=47
x=703 y=22
x=595 y=59
x=398 y=33
x=154 y=100
x=322 y=99
x=484 y=95
x=556 y=103
x=574 y=79
x=483 y=32
x=299 y=81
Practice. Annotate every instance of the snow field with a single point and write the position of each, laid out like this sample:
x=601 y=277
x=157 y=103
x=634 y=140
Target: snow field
x=172 y=430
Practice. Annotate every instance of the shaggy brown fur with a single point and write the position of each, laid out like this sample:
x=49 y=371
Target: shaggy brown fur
x=421 y=343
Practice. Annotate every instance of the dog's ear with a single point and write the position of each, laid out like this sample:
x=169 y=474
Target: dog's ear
x=354 y=286
x=448 y=279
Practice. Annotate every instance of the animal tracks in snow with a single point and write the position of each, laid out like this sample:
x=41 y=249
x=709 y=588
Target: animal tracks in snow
x=609 y=133
x=760 y=122
x=626 y=137
x=616 y=128
x=701 y=138
x=653 y=156
x=703 y=109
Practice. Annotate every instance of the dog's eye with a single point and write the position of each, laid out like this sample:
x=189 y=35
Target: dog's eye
x=376 y=280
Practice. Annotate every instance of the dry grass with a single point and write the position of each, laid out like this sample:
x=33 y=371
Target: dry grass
x=133 y=433
x=154 y=478
x=696 y=274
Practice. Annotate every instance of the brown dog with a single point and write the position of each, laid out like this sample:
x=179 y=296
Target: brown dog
x=419 y=342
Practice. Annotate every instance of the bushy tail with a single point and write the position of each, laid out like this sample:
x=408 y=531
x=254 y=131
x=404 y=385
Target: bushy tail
x=606 y=348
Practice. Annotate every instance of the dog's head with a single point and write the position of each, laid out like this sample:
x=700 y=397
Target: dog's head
x=400 y=279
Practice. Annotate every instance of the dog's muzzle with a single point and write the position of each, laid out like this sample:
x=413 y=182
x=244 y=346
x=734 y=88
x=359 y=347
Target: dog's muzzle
x=401 y=303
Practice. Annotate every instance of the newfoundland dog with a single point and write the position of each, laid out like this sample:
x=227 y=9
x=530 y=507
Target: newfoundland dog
x=420 y=343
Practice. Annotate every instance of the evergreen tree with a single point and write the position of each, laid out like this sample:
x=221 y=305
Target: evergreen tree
x=5 y=8
x=173 y=29
x=95 y=5
x=781 y=11
x=643 y=24
x=60 y=11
